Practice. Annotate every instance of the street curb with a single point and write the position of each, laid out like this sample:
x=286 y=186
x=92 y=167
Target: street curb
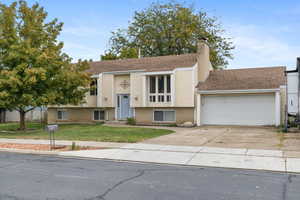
x=171 y=164
x=26 y=151
x=129 y=161
x=60 y=154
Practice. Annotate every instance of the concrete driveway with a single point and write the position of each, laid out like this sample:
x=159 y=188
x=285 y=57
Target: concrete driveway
x=231 y=137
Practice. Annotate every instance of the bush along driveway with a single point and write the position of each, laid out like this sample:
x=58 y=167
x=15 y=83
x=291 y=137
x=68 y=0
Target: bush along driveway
x=86 y=132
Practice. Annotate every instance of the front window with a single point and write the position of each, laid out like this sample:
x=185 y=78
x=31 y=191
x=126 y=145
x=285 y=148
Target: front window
x=164 y=115
x=61 y=115
x=98 y=114
x=94 y=88
x=160 y=88
x=152 y=84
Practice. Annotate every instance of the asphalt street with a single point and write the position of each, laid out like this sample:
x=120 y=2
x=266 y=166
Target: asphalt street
x=24 y=176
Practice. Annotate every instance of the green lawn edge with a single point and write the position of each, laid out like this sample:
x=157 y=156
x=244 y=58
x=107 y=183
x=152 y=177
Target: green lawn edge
x=83 y=132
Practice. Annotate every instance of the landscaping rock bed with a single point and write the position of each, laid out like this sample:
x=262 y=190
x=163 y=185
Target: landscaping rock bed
x=44 y=147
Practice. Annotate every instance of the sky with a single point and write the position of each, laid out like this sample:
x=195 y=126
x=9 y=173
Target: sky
x=265 y=32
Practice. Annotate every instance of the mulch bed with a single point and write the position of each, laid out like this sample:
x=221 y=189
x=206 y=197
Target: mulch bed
x=43 y=147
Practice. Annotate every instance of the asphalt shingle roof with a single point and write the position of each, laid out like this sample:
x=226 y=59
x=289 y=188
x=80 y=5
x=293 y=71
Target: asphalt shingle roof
x=160 y=63
x=239 y=79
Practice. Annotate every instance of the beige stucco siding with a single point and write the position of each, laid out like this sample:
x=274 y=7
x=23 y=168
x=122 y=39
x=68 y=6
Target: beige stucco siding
x=184 y=88
x=145 y=115
x=107 y=88
x=136 y=89
x=120 y=82
x=99 y=97
x=78 y=114
x=91 y=101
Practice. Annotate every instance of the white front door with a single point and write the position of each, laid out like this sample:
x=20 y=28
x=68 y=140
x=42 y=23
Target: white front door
x=247 y=109
x=123 y=106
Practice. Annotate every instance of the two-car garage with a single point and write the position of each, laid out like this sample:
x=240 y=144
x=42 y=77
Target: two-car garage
x=247 y=97
x=238 y=109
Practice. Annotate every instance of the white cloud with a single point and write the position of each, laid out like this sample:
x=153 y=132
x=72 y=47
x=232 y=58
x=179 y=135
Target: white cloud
x=260 y=46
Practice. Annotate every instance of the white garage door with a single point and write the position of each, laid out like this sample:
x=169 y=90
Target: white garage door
x=238 y=109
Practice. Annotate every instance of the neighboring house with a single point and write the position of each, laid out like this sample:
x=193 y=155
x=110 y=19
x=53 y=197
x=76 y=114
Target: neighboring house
x=36 y=114
x=293 y=90
x=178 y=89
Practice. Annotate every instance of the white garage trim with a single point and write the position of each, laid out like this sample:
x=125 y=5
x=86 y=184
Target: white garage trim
x=198 y=108
x=238 y=91
x=277 y=108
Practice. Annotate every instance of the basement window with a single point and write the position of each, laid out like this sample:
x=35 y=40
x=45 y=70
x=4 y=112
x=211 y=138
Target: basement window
x=99 y=115
x=164 y=116
x=62 y=115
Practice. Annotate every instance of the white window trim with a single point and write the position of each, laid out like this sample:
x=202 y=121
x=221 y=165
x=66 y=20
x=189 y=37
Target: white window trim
x=173 y=95
x=93 y=116
x=175 y=117
x=64 y=117
x=157 y=94
x=169 y=72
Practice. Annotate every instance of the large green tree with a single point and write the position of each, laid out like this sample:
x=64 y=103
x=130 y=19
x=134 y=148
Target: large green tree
x=170 y=29
x=33 y=69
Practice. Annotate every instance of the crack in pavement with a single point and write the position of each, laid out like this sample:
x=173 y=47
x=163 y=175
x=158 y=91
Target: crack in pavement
x=140 y=173
x=101 y=196
x=216 y=137
x=285 y=186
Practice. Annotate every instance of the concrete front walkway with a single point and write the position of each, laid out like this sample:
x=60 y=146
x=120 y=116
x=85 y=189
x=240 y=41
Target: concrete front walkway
x=273 y=160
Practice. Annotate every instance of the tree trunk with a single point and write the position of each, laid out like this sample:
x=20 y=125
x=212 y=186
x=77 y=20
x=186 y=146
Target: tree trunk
x=22 y=120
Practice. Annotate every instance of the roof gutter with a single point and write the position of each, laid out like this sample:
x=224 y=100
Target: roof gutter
x=124 y=72
x=238 y=91
x=117 y=72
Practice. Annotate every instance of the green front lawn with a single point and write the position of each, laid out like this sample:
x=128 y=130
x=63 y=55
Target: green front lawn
x=86 y=132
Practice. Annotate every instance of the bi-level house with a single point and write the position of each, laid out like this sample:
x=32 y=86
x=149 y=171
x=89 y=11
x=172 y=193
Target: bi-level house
x=178 y=89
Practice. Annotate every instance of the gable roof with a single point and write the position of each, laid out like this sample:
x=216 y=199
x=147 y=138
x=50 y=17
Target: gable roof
x=159 y=63
x=243 y=79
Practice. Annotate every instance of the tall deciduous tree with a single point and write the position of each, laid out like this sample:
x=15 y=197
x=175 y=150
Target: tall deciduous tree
x=33 y=69
x=170 y=29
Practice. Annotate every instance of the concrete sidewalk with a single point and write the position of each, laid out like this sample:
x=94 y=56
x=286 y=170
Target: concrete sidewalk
x=259 y=159
x=272 y=160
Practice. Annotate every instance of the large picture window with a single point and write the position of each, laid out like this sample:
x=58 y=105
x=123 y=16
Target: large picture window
x=164 y=115
x=160 y=88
